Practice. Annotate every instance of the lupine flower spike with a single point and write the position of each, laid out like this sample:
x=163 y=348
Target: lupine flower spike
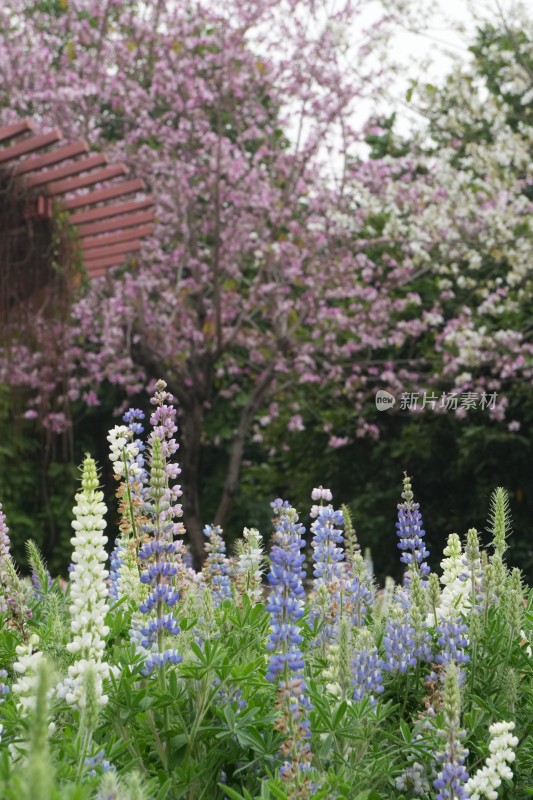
x=452 y=777
x=286 y=607
x=89 y=591
x=455 y=594
x=411 y=533
x=328 y=557
x=13 y=595
x=486 y=781
x=249 y=565
x=217 y=566
x=160 y=554
x=126 y=455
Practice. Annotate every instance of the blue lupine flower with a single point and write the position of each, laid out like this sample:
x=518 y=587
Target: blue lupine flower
x=160 y=553
x=452 y=641
x=411 y=533
x=367 y=668
x=286 y=607
x=328 y=570
x=99 y=760
x=217 y=568
x=4 y=689
x=358 y=592
x=327 y=541
x=36 y=583
x=418 y=602
x=399 y=638
x=453 y=775
x=451 y=780
x=115 y=563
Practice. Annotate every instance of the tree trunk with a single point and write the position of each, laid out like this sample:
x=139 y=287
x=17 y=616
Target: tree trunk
x=191 y=426
x=240 y=434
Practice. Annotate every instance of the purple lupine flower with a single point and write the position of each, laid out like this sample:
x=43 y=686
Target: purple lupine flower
x=286 y=607
x=36 y=583
x=4 y=536
x=13 y=596
x=217 y=567
x=422 y=639
x=367 y=668
x=453 y=775
x=358 y=594
x=160 y=553
x=98 y=760
x=452 y=641
x=4 y=688
x=328 y=557
x=115 y=563
x=5 y=555
x=411 y=533
x=398 y=640
x=328 y=553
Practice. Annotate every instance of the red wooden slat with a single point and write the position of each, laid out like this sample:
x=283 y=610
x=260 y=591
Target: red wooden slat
x=73 y=168
x=30 y=145
x=112 y=250
x=48 y=159
x=105 y=261
x=115 y=223
x=101 y=242
x=91 y=198
x=104 y=212
x=101 y=175
x=99 y=272
x=15 y=129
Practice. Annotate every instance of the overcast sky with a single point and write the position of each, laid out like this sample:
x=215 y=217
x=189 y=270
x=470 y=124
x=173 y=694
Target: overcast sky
x=448 y=25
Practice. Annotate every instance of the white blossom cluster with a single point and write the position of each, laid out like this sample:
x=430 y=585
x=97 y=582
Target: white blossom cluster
x=486 y=781
x=454 y=597
x=121 y=446
x=320 y=494
x=249 y=564
x=88 y=588
x=26 y=667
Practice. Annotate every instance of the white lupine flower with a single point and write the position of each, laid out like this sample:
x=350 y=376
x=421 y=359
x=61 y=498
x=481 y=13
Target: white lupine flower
x=322 y=494
x=26 y=667
x=120 y=446
x=249 y=564
x=486 y=781
x=455 y=595
x=88 y=588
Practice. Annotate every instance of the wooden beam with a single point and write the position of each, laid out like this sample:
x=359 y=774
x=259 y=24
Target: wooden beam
x=116 y=223
x=105 y=261
x=98 y=176
x=48 y=159
x=15 y=129
x=101 y=242
x=73 y=168
x=91 y=198
x=113 y=250
x=30 y=145
x=104 y=212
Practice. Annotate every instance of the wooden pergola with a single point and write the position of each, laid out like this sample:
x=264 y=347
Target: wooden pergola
x=41 y=174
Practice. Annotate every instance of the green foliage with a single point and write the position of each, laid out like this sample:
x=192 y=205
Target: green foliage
x=211 y=729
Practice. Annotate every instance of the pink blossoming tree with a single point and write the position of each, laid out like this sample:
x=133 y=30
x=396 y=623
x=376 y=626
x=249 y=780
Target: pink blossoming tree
x=269 y=274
